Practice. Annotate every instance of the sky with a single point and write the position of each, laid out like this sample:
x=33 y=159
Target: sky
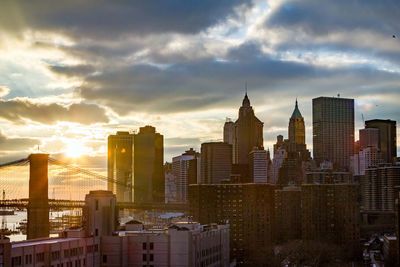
x=73 y=72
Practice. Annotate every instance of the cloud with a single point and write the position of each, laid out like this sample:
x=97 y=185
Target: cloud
x=18 y=109
x=4 y=90
x=364 y=28
x=17 y=144
x=190 y=86
x=104 y=19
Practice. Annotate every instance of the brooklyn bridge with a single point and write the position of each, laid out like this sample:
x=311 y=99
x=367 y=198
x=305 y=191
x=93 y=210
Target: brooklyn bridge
x=61 y=185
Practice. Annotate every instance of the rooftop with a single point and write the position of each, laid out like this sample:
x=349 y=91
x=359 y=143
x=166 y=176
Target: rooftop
x=35 y=242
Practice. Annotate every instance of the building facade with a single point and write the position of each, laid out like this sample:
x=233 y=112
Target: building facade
x=288 y=214
x=148 y=178
x=182 y=244
x=186 y=169
x=120 y=165
x=387 y=143
x=378 y=187
x=249 y=208
x=333 y=130
x=216 y=164
x=331 y=213
x=258 y=167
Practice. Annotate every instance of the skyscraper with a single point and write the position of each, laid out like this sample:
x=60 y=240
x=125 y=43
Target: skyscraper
x=368 y=137
x=230 y=137
x=297 y=130
x=258 y=166
x=216 y=162
x=184 y=168
x=120 y=165
x=296 y=152
x=249 y=132
x=387 y=137
x=148 y=166
x=333 y=130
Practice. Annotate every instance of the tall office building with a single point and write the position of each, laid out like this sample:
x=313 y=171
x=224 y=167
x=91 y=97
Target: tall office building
x=368 y=137
x=258 y=167
x=297 y=130
x=230 y=137
x=120 y=165
x=249 y=132
x=244 y=134
x=333 y=130
x=216 y=164
x=148 y=175
x=185 y=169
x=387 y=137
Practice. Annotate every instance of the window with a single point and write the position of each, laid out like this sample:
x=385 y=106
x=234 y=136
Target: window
x=66 y=253
x=96 y=232
x=16 y=261
x=97 y=204
x=151 y=257
x=28 y=259
x=151 y=246
x=104 y=258
x=144 y=258
x=144 y=246
x=40 y=257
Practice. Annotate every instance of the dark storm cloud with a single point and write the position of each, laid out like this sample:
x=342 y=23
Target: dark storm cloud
x=15 y=144
x=208 y=83
x=18 y=109
x=113 y=19
x=320 y=18
x=76 y=71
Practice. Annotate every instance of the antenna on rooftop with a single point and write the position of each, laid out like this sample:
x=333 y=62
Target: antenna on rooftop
x=338 y=95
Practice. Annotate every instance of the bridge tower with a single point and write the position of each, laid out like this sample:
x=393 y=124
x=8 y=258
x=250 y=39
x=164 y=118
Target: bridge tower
x=38 y=206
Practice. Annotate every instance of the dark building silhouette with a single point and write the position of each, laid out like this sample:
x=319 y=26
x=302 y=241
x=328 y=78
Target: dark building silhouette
x=331 y=213
x=38 y=206
x=368 y=137
x=387 y=137
x=333 y=130
x=216 y=164
x=250 y=211
x=249 y=130
x=288 y=214
x=296 y=152
x=148 y=178
x=120 y=165
x=245 y=135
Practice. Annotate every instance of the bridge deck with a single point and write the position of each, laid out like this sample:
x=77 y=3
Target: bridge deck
x=62 y=203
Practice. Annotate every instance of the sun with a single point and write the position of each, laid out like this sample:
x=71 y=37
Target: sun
x=75 y=149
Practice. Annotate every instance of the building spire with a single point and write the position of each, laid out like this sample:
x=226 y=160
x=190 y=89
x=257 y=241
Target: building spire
x=296 y=112
x=246 y=101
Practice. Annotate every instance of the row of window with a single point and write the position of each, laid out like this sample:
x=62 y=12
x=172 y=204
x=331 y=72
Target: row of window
x=55 y=255
x=17 y=261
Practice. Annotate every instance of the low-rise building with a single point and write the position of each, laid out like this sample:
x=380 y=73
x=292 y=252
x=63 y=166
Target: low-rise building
x=182 y=244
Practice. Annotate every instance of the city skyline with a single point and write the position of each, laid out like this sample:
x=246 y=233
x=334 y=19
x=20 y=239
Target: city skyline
x=185 y=79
